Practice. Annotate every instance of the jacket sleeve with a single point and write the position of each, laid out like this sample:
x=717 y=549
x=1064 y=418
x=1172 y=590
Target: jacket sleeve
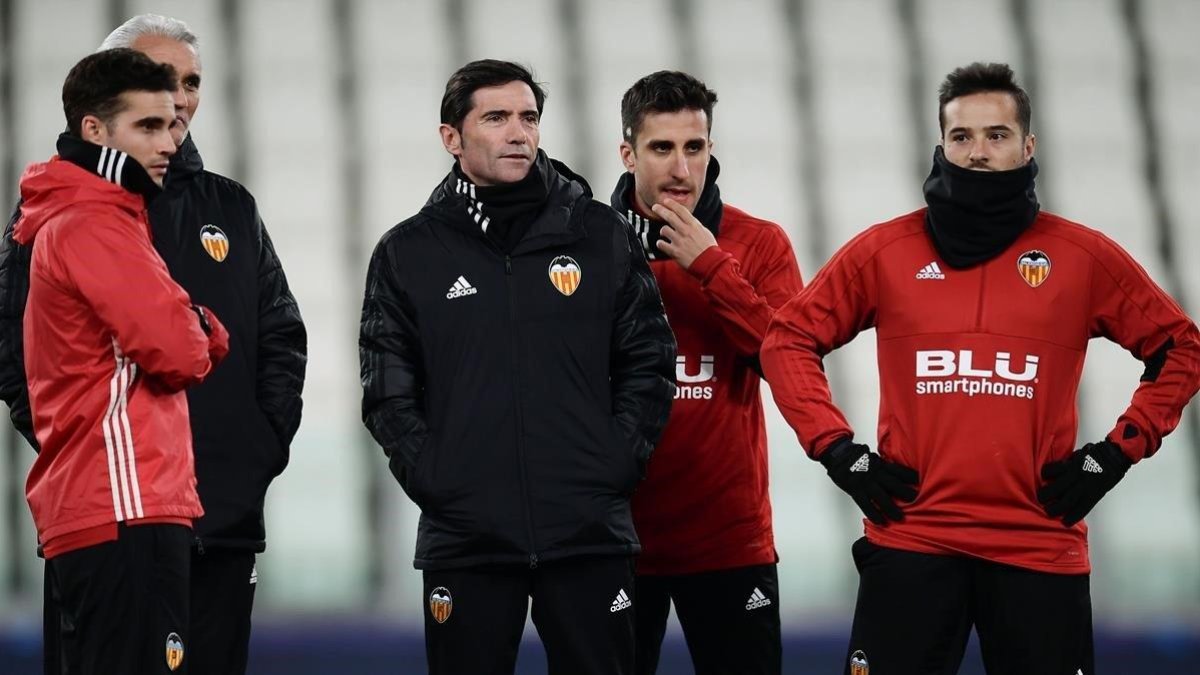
x=837 y=305
x=127 y=284
x=282 y=345
x=745 y=303
x=1128 y=308
x=389 y=354
x=14 y=290
x=642 y=351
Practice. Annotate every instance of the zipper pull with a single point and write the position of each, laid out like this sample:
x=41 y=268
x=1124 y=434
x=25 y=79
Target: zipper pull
x=508 y=270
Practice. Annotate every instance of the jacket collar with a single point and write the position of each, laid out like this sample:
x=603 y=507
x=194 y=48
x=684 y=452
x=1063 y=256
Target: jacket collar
x=110 y=164
x=185 y=163
x=552 y=227
x=708 y=211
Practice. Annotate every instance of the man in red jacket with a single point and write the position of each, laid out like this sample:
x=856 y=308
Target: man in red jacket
x=703 y=514
x=111 y=343
x=983 y=307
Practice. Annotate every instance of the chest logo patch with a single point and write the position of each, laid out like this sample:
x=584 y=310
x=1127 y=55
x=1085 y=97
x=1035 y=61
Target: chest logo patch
x=1034 y=267
x=565 y=274
x=215 y=243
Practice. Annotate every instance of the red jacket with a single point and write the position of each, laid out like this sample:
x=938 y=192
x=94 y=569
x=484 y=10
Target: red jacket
x=704 y=504
x=979 y=370
x=110 y=344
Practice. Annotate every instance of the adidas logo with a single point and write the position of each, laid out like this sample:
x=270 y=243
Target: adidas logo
x=757 y=599
x=461 y=288
x=862 y=464
x=1092 y=466
x=254 y=574
x=931 y=271
x=621 y=602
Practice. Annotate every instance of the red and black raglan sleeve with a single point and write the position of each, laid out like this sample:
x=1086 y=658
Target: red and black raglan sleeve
x=839 y=304
x=1127 y=307
x=745 y=297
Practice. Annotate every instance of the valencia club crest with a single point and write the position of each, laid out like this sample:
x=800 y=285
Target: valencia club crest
x=440 y=604
x=565 y=274
x=858 y=664
x=215 y=242
x=1034 y=267
x=174 y=651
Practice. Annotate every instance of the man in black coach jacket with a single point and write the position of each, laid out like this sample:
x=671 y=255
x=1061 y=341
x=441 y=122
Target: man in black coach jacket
x=517 y=369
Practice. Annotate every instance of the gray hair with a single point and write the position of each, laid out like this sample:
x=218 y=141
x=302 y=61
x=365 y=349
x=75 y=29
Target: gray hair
x=150 y=24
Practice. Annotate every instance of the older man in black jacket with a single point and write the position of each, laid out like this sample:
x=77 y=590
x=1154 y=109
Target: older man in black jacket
x=517 y=369
x=208 y=231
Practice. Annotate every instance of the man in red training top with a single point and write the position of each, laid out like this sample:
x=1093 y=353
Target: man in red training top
x=703 y=513
x=110 y=344
x=983 y=307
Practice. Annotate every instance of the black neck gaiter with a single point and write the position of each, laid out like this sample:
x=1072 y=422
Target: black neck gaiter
x=504 y=212
x=110 y=164
x=973 y=215
x=709 y=209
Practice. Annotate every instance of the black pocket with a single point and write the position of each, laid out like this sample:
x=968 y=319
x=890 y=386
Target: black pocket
x=634 y=468
x=277 y=453
x=415 y=482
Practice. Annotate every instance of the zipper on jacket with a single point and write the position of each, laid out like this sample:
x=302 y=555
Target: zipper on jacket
x=516 y=370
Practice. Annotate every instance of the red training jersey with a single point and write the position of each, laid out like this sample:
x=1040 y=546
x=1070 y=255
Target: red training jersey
x=979 y=370
x=704 y=504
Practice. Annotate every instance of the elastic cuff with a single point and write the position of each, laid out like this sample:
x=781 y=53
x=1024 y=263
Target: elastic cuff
x=1132 y=442
x=834 y=451
x=708 y=262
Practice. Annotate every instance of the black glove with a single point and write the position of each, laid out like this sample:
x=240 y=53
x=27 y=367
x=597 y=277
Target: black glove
x=1077 y=483
x=873 y=482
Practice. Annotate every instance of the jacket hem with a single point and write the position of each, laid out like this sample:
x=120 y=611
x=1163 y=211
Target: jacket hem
x=522 y=559
x=231 y=543
x=940 y=548
x=189 y=513
x=759 y=556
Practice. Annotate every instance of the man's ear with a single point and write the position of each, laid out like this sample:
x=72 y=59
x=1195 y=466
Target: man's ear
x=93 y=130
x=451 y=139
x=628 y=156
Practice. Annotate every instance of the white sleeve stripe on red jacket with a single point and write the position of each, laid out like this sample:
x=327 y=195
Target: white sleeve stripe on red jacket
x=118 y=441
x=128 y=373
x=108 y=441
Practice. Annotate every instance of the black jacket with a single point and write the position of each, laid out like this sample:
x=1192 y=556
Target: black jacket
x=245 y=414
x=517 y=416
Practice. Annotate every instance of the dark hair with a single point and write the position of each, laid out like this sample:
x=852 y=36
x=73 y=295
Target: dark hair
x=94 y=86
x=461 y=87
x=983 y=77
x=664 y=92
